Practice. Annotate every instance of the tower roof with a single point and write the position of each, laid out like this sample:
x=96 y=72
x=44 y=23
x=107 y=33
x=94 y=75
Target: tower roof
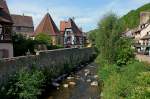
x=47 y=25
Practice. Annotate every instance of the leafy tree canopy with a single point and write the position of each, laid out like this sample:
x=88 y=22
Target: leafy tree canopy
x=43 y=38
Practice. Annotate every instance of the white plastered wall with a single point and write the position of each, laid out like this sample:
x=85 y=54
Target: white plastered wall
x=7 y=46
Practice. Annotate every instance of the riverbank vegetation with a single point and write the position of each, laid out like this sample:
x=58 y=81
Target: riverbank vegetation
x=123 y=77
x=23 y=46
x=31 y=83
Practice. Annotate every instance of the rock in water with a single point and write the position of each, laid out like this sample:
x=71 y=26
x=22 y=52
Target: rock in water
x=95 y=76
x=94 y=83
x=72 y=83
x=55 y=84
x=69 y=78
x=66 y=85
x=86 y=74
x=88 y=80
x=86 y=70
x=57 y=88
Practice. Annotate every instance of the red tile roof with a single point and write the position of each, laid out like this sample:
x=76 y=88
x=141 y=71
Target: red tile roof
x=4 y=12
x=64 y=25
x=70 y=24
x=21 y=20
x=48 y=26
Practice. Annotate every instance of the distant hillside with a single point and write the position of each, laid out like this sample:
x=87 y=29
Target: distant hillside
x=132 y=19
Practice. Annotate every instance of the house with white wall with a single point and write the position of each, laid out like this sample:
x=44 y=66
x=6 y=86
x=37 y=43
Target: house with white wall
x=6 y=46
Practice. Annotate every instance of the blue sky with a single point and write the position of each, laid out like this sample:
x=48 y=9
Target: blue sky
x=86 y=12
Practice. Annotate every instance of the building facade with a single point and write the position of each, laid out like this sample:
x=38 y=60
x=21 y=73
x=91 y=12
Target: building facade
x=72 y=36
x=6 y=46
x=23 y=25
x=141 y=34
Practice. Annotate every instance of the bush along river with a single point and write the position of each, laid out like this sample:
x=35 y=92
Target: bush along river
x=83 y=84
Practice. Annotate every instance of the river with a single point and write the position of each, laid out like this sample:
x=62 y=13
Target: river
x=80 y=85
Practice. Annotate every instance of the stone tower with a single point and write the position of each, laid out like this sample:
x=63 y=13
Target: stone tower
x=144 y=17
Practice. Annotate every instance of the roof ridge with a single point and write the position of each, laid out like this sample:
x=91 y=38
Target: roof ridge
x=51 y=25
x=21 y=15
x=47 y=25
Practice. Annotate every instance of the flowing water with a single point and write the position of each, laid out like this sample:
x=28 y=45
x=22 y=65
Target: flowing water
x=80 y=85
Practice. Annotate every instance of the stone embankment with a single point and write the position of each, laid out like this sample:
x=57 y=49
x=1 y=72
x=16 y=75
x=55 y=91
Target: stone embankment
x=55 y=61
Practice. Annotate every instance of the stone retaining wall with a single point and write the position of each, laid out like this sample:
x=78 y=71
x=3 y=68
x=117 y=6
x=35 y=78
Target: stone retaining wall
x=54 y=61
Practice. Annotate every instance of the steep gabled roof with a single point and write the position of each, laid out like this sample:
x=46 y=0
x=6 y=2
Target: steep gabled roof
x=48 y=26
x=75 y=28
x=4 y=12
x=64 y=25
x=21 y=20
x=70 y=24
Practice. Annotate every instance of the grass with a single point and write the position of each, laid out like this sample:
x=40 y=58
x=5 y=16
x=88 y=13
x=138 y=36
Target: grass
x=128 y=82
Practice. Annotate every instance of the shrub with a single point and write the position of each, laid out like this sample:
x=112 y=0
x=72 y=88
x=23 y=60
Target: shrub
x=51 y=47
x=43 y=38
x=22 y=45
x=142 y=87
x=131 y=81
x=106 y=71
x=26 y=84
x=125 y=53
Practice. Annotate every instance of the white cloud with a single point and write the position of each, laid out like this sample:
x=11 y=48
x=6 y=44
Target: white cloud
x=84 y=16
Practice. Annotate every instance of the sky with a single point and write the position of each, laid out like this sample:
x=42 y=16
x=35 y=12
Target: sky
x=87 y=13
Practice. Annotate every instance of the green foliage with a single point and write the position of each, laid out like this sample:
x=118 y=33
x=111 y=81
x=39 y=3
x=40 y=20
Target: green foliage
x=92 y=36
x=107 y=36
x=43 y=38
x=128 y=82
x=112 y=47
x=124 y=52
x=22 y=45
x=132 y=19
x=26 y=84
x=142 y=87
x=119 y=70
x=106 y=71
x=51 y=47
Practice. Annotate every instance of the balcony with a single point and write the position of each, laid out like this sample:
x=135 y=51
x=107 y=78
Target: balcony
x=5 y=34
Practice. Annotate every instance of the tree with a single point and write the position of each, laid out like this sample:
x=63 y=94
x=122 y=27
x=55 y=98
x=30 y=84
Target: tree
x=107 y=36
x=43 y=38
x=92 y=36
x=112 y=47
x=22 y=45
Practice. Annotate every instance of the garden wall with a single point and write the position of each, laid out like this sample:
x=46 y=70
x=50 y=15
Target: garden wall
x=55 y=61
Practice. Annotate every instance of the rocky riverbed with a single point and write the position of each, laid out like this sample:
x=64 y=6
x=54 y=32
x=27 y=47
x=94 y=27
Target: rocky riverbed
x=80 y=85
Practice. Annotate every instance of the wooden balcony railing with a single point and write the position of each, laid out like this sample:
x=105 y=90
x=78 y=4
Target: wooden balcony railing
x=5 y=35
